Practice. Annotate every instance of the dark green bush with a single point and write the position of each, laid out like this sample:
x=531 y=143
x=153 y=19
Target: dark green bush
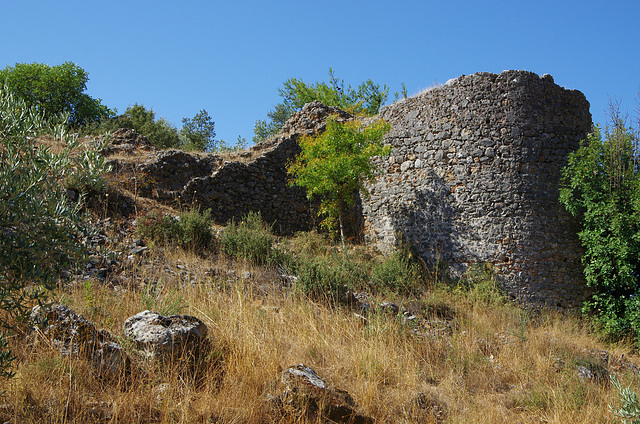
x=196 y=134
x=601 y=187
x=190 y=231
x=397 y=274
x=160 y=132
x=195 y=230
x=329 y=277
x=158 y=228
x=250 y=239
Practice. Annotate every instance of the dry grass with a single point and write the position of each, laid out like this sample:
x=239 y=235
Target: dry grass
x=427 y=89
x=498 y=364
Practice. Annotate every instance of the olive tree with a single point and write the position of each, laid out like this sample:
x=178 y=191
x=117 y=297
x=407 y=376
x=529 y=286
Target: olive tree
x=40 y=229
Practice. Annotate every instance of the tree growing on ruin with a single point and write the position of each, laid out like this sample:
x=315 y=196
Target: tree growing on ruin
x=200 y=131
x=366 y=99
x=333 y=166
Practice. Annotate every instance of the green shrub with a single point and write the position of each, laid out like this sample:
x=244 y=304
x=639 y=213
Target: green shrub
x=40 y=229
x=160 y=132
x=366 y=99
x=310 y=243
x=397 y=274
x=479 y=283
x=601 y=187
x=190 y=231
x=196 y=134
x=329 y=277
x=250 y=239
x=195 y=230
x=158 y=228
x=403 y=272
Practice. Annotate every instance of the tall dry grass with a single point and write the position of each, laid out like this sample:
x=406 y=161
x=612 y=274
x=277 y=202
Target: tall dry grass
x=496 y=363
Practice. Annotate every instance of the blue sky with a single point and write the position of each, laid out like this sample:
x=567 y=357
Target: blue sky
x=230 y=57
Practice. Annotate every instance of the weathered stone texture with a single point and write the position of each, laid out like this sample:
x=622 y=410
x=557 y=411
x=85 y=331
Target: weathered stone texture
x=175 y=335
x=72 y=334
x=255 y=180
x=474 y=176
x=261 y=185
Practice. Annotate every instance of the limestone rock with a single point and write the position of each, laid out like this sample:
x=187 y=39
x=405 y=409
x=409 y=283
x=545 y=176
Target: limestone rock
x=72 y=334
x=307 y=394
x=175 y=335
x=125 y=141
x=428 y=407
x=312 y=119
x=593 y=371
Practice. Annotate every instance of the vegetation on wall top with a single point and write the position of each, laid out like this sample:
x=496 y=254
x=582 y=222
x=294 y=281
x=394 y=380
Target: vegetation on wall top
x=366 y=99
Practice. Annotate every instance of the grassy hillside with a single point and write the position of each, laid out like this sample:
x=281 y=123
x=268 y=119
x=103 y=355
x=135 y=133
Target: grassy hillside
x=455 y=352
x=408 y=343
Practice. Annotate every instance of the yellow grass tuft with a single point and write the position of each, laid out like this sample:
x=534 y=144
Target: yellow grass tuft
x=496 y=362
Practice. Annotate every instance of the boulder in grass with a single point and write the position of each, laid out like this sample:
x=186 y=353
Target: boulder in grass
x=160 y=336
x=72 y=334
x=307 y=394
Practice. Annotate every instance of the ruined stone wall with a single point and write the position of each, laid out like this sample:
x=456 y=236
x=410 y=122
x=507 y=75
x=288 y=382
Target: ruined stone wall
x=260 y=186
x=232 y=185
x=473 y=177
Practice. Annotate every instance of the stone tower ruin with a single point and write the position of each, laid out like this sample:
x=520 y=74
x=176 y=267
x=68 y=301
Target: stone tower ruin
x=473 y=178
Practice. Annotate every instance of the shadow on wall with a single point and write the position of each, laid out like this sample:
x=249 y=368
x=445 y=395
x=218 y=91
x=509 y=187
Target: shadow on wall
x=428 y=220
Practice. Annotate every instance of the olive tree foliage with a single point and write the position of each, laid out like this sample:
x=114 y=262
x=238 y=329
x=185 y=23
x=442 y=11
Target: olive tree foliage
x=630 y=405
x=601 y=186
x=334 y=165
x=40 y=228
x=366 y=99
x=55 y=90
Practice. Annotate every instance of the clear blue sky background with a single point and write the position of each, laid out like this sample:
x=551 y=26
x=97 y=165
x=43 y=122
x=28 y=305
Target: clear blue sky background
x=230 y=57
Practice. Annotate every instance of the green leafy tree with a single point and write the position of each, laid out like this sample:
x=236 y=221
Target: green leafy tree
x=223 y=147
x=333 y=166
x=55 y=90
x=366 y=99
x=601 y=186
x=197 y=133
x=160 y=132
x=200 y=131
x=39 y=227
